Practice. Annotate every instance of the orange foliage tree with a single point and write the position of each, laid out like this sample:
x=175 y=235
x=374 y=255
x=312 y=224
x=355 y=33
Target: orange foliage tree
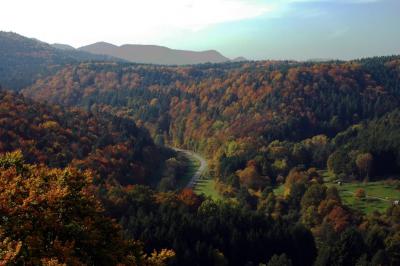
x=51 y=217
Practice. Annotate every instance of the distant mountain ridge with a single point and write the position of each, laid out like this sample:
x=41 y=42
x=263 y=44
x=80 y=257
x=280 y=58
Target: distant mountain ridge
x=62 y=46
x=23 y=60
x=239 y=59
x=154 y=54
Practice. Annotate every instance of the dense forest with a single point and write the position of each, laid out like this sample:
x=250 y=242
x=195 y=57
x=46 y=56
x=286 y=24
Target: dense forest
x=370 y=147
x=51 y=217
x=205 y=232
x=115 y=147
x=87 y=178
x=182 y=228
x=269 y=115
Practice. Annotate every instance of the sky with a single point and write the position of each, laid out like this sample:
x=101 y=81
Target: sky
x=255 y=29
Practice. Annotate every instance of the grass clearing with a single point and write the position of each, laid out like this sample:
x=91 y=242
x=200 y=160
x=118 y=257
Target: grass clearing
x=379 y=194
x=206 y=186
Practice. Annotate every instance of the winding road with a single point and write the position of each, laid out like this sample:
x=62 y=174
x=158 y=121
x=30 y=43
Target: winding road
x=200 y=171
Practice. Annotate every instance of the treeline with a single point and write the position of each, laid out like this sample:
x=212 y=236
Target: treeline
x=369 y=149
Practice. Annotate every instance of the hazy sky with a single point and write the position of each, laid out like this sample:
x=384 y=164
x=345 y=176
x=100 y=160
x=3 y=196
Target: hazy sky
x=256 y=29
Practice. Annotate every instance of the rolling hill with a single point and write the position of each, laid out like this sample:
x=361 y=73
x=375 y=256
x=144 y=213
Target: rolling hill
x=23 y=60
x=153 y=54
x=261 y=125
x=114 y=147
x=236 y=112
x=63 y=46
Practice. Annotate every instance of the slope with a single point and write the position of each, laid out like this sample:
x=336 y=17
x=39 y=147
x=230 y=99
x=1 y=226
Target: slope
x=23 y=60
x=153 y=54
x=115 y=148
x=241 y=115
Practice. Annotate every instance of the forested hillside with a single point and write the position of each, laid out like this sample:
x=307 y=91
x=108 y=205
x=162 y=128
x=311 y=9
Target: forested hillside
x=368 y=149
x=255 y=121
x=112 y=146
x=23 y=60
x=148 y=147
x=264 y=126
x=154 y=54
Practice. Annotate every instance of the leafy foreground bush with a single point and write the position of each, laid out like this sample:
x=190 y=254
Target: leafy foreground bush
x=51 y=217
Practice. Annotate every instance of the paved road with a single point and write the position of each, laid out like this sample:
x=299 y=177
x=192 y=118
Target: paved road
x=200 y=171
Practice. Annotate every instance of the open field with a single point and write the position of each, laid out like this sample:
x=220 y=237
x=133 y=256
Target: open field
x=207 y=187
x=379 y=195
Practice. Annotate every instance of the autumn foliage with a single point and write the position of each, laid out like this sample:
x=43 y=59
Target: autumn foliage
x=235 y=112
x=51 y=217
x=115 y=148
x=49 y=214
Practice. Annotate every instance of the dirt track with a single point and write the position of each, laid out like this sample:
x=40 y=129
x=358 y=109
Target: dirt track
x=200 y=171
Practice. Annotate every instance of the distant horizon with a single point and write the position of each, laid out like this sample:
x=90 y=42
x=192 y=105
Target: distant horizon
x=211 y=49
x=255 y=29
x=249 y=59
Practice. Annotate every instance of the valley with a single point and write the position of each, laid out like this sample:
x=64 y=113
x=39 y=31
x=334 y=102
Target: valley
x=269 y=162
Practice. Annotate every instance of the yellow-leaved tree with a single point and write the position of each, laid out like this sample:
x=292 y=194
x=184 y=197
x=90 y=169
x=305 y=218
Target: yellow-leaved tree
x=51 y=217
